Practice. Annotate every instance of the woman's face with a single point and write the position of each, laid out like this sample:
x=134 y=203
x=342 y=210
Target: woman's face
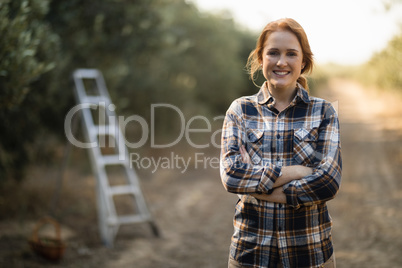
x=282 y=60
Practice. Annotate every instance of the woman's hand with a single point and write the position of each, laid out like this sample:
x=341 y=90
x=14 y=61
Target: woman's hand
x=244 y=155
x=277 y=196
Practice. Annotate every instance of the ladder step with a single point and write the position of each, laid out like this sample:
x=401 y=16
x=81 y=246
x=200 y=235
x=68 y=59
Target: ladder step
x=86 y=73
x=131 y=219
x=127 y=219
x=122 y=189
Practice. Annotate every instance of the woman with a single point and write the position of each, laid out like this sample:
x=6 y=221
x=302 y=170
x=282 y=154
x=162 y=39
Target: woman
x=281 y=155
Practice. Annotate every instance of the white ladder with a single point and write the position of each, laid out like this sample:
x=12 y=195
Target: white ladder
x=95 y=134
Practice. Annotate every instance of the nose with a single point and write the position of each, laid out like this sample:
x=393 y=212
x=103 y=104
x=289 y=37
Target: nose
x=282 y=62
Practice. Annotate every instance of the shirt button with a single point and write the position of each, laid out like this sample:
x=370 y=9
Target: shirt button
x=280 y=205
x=278 y=159
x=278 y=136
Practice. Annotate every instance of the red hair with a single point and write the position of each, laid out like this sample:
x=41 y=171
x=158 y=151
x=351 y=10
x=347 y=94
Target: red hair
x=255 y=58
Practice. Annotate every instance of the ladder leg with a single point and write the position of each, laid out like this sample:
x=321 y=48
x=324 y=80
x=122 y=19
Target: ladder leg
x=155 y=229
x=107 y=229
x=102 y=219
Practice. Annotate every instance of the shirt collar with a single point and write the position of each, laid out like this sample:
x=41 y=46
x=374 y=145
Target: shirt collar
x=265 y=97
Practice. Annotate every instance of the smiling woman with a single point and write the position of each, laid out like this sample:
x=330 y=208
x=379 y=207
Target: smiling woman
x=281 y=155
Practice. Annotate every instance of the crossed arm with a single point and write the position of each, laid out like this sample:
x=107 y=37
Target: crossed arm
x=289 y=173
x=297 y=185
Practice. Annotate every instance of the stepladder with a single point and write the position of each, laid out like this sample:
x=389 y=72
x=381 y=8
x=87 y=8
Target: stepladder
x=120 y=200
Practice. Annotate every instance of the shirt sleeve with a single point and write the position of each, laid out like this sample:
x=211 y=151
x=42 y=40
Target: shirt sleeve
x=324 y=183
x=239 y=177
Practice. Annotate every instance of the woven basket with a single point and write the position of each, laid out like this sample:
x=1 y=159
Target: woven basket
x=51 y=248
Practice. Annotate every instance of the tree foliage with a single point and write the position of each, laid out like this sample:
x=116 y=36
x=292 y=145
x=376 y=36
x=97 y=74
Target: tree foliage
x=384 y=68
x=28 y=49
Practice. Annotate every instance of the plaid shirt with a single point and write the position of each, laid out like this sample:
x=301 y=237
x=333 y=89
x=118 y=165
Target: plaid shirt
x=296 y=234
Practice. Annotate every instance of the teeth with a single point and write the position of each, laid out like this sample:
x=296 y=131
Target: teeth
x=280 y=73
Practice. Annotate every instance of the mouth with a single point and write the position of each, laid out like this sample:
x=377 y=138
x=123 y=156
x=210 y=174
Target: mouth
x=281 y=73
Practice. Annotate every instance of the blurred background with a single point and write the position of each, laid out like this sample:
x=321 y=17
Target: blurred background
x=190 y=54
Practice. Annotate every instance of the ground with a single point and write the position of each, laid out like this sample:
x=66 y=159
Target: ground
x=194 y=213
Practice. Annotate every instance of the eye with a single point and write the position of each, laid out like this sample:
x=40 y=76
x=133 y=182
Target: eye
x=273 y=53
x=292 y=54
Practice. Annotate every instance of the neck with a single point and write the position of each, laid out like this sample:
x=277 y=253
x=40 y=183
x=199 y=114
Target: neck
x=282 y=96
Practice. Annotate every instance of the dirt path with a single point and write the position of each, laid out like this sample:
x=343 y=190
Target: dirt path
x=367 y=213
x=195 y=213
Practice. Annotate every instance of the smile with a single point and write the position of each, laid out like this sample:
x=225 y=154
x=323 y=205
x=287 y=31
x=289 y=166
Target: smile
x=281 y=72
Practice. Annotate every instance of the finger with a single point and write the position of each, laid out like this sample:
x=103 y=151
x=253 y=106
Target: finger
x=248 y=159
x=244 y=154
x=242 y=149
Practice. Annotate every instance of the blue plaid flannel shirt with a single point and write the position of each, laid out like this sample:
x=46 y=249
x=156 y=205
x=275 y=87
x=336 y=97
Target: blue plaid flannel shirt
x=296 y=234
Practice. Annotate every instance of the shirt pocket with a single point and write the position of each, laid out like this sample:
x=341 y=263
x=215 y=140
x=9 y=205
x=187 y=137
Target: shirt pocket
x=255 y=145
x=304 y=146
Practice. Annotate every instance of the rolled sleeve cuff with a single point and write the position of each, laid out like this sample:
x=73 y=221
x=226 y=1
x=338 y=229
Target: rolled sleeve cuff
x=291 y=195
x=268 y=178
